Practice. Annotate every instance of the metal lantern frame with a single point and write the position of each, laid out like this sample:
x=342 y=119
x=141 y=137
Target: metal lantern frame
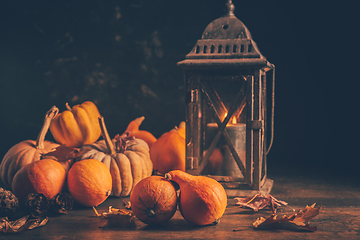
x=226 y=53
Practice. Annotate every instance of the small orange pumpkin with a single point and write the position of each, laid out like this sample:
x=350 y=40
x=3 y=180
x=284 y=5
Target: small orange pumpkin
x=154 y=200
x=89 y=182
x=25 y=152
x=133 y=130
x=202 y=200
x=46 y=176
x=77 y=126
x=168 y=152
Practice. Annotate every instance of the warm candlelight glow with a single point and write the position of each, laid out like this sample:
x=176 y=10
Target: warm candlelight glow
x=232 y=120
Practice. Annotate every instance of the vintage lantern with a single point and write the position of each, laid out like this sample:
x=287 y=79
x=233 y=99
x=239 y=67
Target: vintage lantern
x=229 y=127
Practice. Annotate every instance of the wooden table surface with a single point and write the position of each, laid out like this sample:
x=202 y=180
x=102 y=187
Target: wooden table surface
x=339 y=217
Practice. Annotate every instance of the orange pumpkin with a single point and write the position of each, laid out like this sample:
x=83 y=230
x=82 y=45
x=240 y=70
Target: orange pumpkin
x=202 y=200
x=27 y=151
x=77 y=126
x=46 y=176
x=168 y=152
x=89 y=182
x=154 y=200
x=133 y=130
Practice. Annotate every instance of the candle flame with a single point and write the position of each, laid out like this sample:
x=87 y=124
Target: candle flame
x=233 y=120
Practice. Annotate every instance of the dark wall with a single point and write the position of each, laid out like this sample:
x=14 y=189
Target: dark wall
x=122 y=55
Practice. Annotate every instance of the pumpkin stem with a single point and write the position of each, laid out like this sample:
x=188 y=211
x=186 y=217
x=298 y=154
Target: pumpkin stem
x=216 y=221
x=48 y=117
x=121 y=141
x=67 y=106
x=182 y=124
x=96 y=212
x=105 y=134
x=168 y=176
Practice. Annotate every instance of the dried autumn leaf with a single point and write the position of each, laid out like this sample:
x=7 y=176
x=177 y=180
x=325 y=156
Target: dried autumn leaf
x=303 y=216
x=297 y=221
x=21 y=224
x=117 y=217
x=64 y=155
x=260 y=201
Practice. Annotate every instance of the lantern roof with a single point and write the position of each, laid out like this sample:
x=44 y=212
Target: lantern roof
x=225 y=40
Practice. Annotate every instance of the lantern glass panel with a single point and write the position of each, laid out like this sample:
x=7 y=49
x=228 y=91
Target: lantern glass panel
x=224 y=95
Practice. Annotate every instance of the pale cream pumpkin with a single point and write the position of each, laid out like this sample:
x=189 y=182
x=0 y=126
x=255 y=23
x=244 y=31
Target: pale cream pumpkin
x=28 y=151
x=127 y=158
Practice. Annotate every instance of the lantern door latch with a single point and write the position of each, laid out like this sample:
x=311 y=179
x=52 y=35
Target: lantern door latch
x=255 y=124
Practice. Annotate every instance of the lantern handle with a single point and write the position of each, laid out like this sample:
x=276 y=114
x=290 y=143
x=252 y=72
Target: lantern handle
x=272 y=66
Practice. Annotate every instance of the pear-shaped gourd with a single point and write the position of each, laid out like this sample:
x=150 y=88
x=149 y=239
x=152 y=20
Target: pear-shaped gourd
x=133 y=130
x=202 y=199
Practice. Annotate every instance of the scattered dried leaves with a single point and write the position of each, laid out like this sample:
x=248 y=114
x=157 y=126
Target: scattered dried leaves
x=21 y=224
x=296 y=221
x=117 y=217
x=260 y=201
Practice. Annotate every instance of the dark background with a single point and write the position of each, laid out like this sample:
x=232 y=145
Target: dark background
x=122 y=55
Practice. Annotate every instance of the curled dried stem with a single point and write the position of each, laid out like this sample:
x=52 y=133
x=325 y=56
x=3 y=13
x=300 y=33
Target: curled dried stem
x=47 y=121
x=168 y=176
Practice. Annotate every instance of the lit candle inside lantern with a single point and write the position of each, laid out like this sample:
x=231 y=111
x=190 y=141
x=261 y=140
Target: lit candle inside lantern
x=237 y=135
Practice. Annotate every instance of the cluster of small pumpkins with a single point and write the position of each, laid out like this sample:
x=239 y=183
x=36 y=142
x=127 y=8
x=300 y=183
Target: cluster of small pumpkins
x=90 y=169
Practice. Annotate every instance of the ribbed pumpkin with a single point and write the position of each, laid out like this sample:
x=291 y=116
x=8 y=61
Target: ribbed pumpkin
x=89 y=182
x=168 y=152
x=28 y=151
x=77 y=126
x=154 y=200
x=46 y=176
x=128 y=159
